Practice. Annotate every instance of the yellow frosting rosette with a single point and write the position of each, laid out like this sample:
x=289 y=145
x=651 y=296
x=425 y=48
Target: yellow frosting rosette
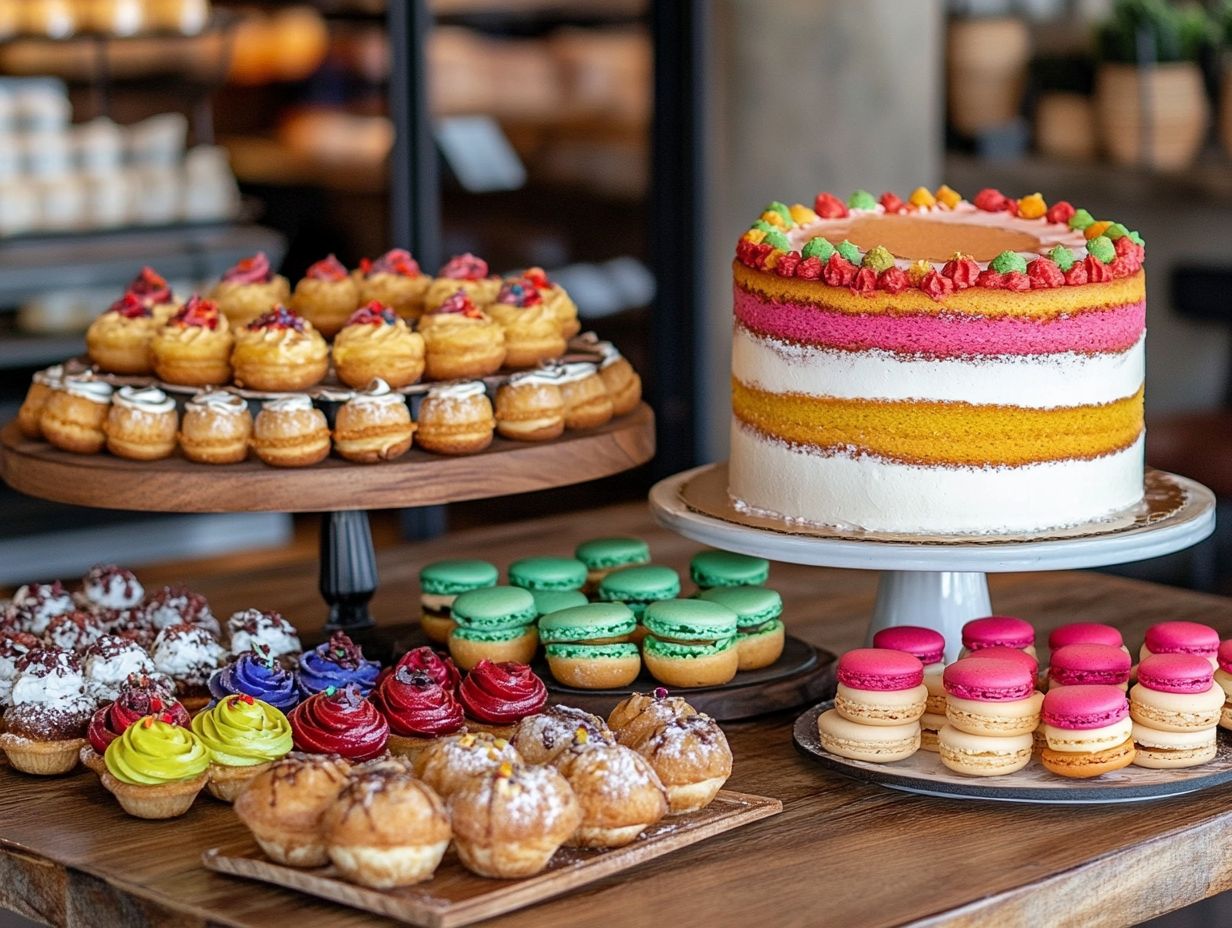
x=151 y=752
x=242 y=731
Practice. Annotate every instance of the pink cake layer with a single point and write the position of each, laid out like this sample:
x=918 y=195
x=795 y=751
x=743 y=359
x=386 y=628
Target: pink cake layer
x=1093 y=331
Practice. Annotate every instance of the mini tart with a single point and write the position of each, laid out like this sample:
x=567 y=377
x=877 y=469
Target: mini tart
x=141 y=424
x=155 y=769
x=532 y=333
x=375 y=343
x=326 y=296
x=456 y=419
x=243 y=737
x=692 y=758
x=617 y=789
x=119 y=340
x=393 y=280
x=42 y=385
x=279 y=351
x=373 y=426
x=73 y=417
x=290 y=432
x=463 y=272
x=216 y=428
x=193 y=348
x=419 y=710
x=461 y=342
x=623 y=383
x=557 y=300
x=250 y=289
x=587 y=404
x=283 y=806
x=530 y=407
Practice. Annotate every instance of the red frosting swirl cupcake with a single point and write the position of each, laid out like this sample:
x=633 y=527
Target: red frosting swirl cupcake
x=426 y=660
x=339 y=722
x=501 y=694
x=417 y=706
x=134 y=702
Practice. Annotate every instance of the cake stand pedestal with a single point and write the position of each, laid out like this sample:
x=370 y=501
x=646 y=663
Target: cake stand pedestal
x=939 y=582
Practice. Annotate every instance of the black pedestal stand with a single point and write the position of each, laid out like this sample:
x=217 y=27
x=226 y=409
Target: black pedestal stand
x=348 y=569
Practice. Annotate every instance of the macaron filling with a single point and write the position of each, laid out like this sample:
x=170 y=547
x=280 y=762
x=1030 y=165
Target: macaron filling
x=766 y=628
x=677 y=649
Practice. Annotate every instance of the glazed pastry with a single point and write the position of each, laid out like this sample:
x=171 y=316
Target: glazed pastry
x=279 y=351
x=530 y=406
x=110 y=662
x=73 y=417
x=466 y=273
x=394 y=280
x=139 y=698
x=441 y=583
x=243 y=736
x=375 y=342
x=152 y=290
x=326 y=296
x=373 y=426
x=119 y=340
x=42 y=385
x=289 y=432
x=496 y=697
x=45 y=723
x=189 y=655
x=216 y=428
x=461 y=340
x=587 y=404
x=619 y=793
x=193 y=348
x=337 y=663
x=640 y=715
x=177 y=605
x=283 y=806
x=256 y=673
x=253 y=629
x=155 y=768
x=141 y=424
x=450 y=763
x=692 y=758
x=508 y=823
x=14 y=645
x=109 y=586
x=456 y=418
x=339 y=722
x=425 y=660
x=557 y=300
x=541 y=737
x=34 y=605
x=73 y=632
x=386 y=829
x=532 y=332
x=250 y=289
x=419 y=710
x=623 y=383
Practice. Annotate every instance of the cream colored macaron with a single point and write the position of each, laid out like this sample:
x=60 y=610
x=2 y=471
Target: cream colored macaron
x=879 y=744
x=1165 y=750
x=1006 y=717
x=983 y=755
x=931 y=724
x=881 y=707
x=1176 y=711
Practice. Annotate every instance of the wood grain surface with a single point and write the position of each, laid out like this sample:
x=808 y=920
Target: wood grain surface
x=418 y=478
x=842 y=853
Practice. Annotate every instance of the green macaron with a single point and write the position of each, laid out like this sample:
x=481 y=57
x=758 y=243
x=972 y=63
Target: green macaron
x=490 y=635
x=691 y=622
x=449 y=578
x=609 y=553
x=496 y=607
x=754 y=605
x=548 y=601
x=622 y=650
x=726 y=568
x=637 y=586
x=548 y=573
x=592 y=622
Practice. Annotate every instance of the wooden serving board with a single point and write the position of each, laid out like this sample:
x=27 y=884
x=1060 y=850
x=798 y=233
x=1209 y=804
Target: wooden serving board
x=455 y=896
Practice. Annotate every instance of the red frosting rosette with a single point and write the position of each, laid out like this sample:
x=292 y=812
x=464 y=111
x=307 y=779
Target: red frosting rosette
x=375 y=313
x=425 y=660
x=416 y=706
x=134 y=702
x=395 y=261
x=501 y=694
x=339 y=722
x=464 y=267
x=253 y=270
x=130 y=306
x=198 y=312
x=150 y=286
x=329 y=268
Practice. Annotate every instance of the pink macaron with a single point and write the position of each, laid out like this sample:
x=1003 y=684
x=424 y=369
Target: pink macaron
x=1084 y=633
x=988 y=680
x=879 y=669
x=1225 y=656
x=1021 y=658
x=1181 y=638
x=1176 y=673
x=925 y=644
x=1096 y=664
x=1083 y=707
x=998 y=631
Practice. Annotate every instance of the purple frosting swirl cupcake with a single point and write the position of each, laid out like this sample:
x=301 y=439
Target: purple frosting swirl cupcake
x=256 y=674
x=338 y=662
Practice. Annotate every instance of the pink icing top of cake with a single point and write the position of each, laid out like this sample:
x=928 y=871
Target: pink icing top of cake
x=879 y=669
x=1078 y=664
x=1225 y=656
x=988 y=680
x=925 y=644
x=1084 y=633
x=1082 y=708
x=1182 y=638
x=1176 y=673
x=1014 y=655
x=997 y=631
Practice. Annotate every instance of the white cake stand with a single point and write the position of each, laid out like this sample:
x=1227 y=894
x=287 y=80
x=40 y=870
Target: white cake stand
x=939 y=582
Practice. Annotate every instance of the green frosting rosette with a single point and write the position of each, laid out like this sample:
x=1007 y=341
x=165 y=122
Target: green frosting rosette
x=151 y=752
x=241 y=731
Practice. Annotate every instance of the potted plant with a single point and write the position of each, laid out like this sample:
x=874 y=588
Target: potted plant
x=1150 y=102
x=986 y=71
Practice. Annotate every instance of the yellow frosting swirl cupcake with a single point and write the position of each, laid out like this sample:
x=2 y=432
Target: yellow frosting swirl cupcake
x=242 y=736
x=155 y=769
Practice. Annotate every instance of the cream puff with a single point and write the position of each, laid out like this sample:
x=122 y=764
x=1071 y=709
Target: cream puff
x=466 y=273
x=290 y=432
x=623 y=383
x=394 y=280
x=154 y=292
x=619 y=793
x=532 y=333
x=587 y=403
x=326 y=296
x=73 y=416
x=279 y=351
x=42 y=385
x=216 y=428
x=374 y=343
x=461 y=340
x=193 y=348
x=250 y=289
x=119 y=340
x=141 y=424
x=456 y=418
x=556 y=299
x=530 y=406
x=374 y=425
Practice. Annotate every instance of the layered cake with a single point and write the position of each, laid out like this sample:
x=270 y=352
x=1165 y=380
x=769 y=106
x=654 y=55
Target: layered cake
x=936 y=365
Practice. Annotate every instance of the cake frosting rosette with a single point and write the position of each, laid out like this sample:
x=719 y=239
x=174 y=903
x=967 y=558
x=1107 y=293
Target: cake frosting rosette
x=418 y=709
x=108 y=586
x=109 y=663
x=256 y=673
x=189 y=655
x=496 y=696
x=141 y=696
x=155 y=768
x=338 y=662
x=34 y=605
x=73 y=631
x=177 y=605
x=427 y=660
x=14 y=646
x=243 y=736
x=252 y=627
x=339 y=721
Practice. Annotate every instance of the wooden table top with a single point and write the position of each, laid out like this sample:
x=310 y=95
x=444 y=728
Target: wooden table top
x=841 y=853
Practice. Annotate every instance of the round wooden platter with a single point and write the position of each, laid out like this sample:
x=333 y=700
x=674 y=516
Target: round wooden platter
x=416 y=479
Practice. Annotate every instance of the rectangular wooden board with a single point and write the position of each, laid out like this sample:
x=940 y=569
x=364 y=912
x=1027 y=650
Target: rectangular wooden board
x=455 y=896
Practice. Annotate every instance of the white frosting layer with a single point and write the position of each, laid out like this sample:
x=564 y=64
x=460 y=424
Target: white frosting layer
x=145 y=399
x=270 y=630
x=458 y=391
x=378 y=394
x=877 y=495
x=106 y=676
x=578 y=370
x=50 y=377
x=219 y=401
x=297 y=403
x=1034 y=381
x=544 y=377
x=93 y=390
